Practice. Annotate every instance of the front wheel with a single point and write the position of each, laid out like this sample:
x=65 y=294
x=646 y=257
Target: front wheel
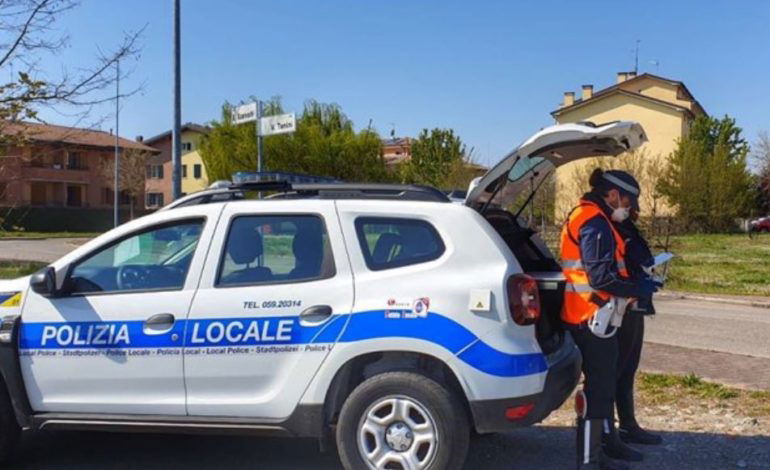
x=402 y=420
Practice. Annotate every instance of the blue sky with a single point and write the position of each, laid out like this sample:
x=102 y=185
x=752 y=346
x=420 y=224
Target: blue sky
x=492 y=70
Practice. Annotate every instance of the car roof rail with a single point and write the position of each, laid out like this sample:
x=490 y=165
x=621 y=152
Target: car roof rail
x=286 y=190
x=402 y=192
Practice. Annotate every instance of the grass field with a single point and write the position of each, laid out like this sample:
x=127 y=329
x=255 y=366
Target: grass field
x=721 y=264
x=14 y=269
x=39 y=235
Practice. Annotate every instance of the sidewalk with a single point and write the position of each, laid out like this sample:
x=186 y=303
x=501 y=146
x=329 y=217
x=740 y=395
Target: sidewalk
x=729 y=369
x=752 y=300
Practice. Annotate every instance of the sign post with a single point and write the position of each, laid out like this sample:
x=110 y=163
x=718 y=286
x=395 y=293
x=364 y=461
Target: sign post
x=269 y=125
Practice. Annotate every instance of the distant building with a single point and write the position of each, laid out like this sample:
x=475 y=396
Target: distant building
x=396 y=150
x=158 y=188
x=664 y=107
x=59 y=166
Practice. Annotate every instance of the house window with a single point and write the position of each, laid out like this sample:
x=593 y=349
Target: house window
x=75 y=161
x=155 y=172
x=197 y=171
x=107 y=196
x=186 y=146
x=184 y=171
x=154 y=199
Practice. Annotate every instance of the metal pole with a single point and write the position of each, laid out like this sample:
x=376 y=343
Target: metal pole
x=116 y=210
x=176 y=141
x=259 y=136
x=259 y=142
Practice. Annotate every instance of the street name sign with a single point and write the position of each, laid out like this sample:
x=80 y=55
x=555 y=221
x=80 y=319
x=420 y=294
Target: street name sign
x=245 y=113
x=279 y=124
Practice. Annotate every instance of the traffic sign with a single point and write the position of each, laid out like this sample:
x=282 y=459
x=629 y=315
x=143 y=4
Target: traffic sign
x=279 y=124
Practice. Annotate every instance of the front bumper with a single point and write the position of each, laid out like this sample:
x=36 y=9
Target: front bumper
x=563 y=375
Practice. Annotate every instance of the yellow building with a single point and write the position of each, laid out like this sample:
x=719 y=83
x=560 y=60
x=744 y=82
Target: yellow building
x=194 y=176
x=664 y=107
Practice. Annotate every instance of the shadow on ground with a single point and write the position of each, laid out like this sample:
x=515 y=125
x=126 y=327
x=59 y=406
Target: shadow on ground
x=542 y=448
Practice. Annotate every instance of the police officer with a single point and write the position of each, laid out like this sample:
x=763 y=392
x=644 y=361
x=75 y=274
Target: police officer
x=631 y=336
x=593 y=261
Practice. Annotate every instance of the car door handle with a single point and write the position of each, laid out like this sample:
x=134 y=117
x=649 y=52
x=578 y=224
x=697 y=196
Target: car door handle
x=159 y=323
x=315 y=315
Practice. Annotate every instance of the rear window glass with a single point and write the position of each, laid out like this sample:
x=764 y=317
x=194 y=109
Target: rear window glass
x=393 y=242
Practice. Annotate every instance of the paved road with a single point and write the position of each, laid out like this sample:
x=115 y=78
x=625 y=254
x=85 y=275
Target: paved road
x=45 y=251
x=712 y=326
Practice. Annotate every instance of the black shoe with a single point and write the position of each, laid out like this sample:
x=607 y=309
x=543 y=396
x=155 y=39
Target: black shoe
x=636 y=435
x=589 y=447
x=615 y=448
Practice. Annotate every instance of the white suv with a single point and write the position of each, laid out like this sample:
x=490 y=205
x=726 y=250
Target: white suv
x=385 y=317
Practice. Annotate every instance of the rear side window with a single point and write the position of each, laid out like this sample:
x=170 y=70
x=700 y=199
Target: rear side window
x=393 y=242
x=276 y=249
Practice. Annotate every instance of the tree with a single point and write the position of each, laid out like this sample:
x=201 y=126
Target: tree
x=436 y=158
x=761 y=157
x=133 y=173
x=27 y=34
x=324 y=144
x=645 y=167
x=707 y=178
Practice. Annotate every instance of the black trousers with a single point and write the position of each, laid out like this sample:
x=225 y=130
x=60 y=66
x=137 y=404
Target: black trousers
x=600 y=363
x=630 y=339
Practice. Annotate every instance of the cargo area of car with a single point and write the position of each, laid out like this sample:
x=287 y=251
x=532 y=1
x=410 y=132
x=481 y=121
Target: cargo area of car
x=539 y=262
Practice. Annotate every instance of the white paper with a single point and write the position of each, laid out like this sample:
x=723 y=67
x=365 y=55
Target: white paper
x=662 y=259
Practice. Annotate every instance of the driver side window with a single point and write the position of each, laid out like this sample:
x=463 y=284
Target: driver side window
x=154 y=259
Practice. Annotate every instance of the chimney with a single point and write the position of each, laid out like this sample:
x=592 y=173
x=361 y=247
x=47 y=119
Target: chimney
x=630 y=75
x=622 y=76
x=588 y=92
x=569 y=99
x=140 y=138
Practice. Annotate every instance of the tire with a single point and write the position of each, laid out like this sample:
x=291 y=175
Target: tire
x=9 y=428
x=431 y=410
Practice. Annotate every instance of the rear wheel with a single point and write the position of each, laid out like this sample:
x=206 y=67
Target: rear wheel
x=402 y=420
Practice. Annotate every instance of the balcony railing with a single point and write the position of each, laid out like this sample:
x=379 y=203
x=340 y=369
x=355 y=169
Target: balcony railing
x=53 y=166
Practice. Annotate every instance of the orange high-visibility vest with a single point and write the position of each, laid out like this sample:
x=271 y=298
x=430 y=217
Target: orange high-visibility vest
x=581 y=301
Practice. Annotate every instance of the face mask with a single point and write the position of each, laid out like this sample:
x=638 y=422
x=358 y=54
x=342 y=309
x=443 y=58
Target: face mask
x=620 y=214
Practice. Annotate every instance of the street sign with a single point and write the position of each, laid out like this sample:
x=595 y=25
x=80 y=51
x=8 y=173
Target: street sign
x=280 y=124
x=245 y=113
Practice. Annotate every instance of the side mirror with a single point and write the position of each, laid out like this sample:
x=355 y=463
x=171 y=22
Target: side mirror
x=43 y=282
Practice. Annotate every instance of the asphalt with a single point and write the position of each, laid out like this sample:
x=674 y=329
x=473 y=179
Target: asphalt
x=712 y=326
x=45 y=250
x=541 y=447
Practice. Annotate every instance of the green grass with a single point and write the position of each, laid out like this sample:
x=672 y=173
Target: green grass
x=14 y=269
x=40 y=235
x=720 y=264
x=667 y=389
x=690 y=384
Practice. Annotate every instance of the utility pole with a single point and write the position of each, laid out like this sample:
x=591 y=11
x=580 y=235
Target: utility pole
x=259 y=136
x=176 y=141
x=116 y=215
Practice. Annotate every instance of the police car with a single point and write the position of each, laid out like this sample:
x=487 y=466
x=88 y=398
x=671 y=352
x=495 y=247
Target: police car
x=385 y=319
